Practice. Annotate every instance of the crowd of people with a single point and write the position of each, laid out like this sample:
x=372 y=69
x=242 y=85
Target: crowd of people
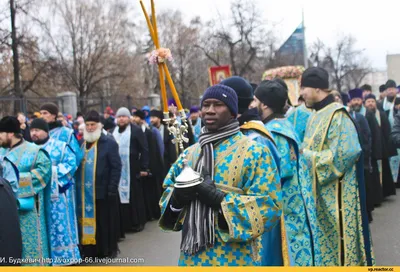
x=281 y=184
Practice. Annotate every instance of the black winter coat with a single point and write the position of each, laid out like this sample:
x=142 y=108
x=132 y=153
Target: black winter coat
x=108 y=167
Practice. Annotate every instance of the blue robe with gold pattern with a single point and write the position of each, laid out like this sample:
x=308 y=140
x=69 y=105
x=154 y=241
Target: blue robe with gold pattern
x=273 y=252
x=246 y=171
x=331 y=150
x=296 y=221
x=299 y=118
x=63 y=249
x=34 y=167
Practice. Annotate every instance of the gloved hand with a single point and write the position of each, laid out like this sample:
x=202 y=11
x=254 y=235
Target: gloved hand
x=182 y=197
x=208 y=192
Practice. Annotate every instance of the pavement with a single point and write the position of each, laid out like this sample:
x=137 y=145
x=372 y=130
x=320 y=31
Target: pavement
x=153 y=247
x=385 y=232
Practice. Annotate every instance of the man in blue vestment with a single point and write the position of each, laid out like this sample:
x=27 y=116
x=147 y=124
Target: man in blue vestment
x=270 y=99
x=63 y=248
x=34 y=168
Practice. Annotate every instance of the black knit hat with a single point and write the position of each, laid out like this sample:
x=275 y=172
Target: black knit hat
x=39 y=123
x=10 y=124
x=370 y=96
x=366 y=87
x=92 y=116
x=243 y=89
x=382 y=88
x=157 y=113
x=224 y=94
x=273 y=94
x=140 y=114
x=390 y=84
x=51 y=108
x=315 y=77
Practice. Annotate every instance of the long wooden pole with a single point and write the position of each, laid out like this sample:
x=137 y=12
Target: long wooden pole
x=163 y=69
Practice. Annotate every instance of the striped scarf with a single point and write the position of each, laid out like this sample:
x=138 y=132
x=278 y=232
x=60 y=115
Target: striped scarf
x=198 y=229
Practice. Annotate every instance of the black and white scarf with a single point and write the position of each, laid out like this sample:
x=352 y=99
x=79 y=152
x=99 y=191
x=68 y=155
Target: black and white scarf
x=198 y=229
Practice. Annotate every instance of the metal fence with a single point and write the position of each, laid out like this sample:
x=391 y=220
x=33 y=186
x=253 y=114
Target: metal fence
x=9 y=105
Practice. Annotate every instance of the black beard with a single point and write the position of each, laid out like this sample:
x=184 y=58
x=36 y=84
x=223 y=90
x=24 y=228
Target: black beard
x=390 y=99
x=40 y=142
x=373 y=110
x=356 y=108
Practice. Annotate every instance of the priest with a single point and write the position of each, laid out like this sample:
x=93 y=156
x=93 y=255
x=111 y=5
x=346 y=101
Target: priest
x=134 y=155
x=97 y=183
x=382 y=145
x=11 y=244
x=63 y=247
x=331 y=167
x=355 y=104
x=34 y=166
x=152 y=181
x=270 y=99
x=49 y=112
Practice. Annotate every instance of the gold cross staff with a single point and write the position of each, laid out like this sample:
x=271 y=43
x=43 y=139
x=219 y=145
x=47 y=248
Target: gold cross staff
x=174 y=127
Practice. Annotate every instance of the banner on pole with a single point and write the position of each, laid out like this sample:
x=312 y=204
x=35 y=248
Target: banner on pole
x=219 y=73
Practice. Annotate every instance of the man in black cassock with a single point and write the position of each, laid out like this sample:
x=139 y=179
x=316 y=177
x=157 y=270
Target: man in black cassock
x=156 y=118
x=153 y=181
x=134 y=153
x=382 y=148
x=10 y=231
x=355 y=104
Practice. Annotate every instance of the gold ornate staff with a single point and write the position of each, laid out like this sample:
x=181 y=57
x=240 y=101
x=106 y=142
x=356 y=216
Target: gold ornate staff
x=159 y=56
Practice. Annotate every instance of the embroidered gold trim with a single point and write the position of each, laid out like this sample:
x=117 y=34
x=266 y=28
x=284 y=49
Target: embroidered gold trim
x=25 y=182
x=229 y=189
x=240 y=143
x=228 y=218
x=260 y=128
x=285 y=248
x=338 y=222
x=254 y=213
x=39 y=177
x=255 y=250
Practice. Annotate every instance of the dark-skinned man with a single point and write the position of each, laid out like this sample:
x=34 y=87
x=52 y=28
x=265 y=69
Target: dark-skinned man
x=236 y=190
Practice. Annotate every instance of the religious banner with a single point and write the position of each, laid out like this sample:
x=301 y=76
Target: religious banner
x=291 y=75
x=219 y=73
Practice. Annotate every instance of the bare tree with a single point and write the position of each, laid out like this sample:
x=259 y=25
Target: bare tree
x=346 y=64
x=91 y=45
x=243 y=42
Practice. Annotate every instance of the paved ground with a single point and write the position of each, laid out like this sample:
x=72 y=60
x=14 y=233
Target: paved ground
x=152 y=247
x=385 y=231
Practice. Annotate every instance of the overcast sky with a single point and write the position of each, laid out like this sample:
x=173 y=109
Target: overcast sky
x=375 y=24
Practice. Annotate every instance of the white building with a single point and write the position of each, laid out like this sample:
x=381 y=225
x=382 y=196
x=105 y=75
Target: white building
x=375 y=79
x=393 y=67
